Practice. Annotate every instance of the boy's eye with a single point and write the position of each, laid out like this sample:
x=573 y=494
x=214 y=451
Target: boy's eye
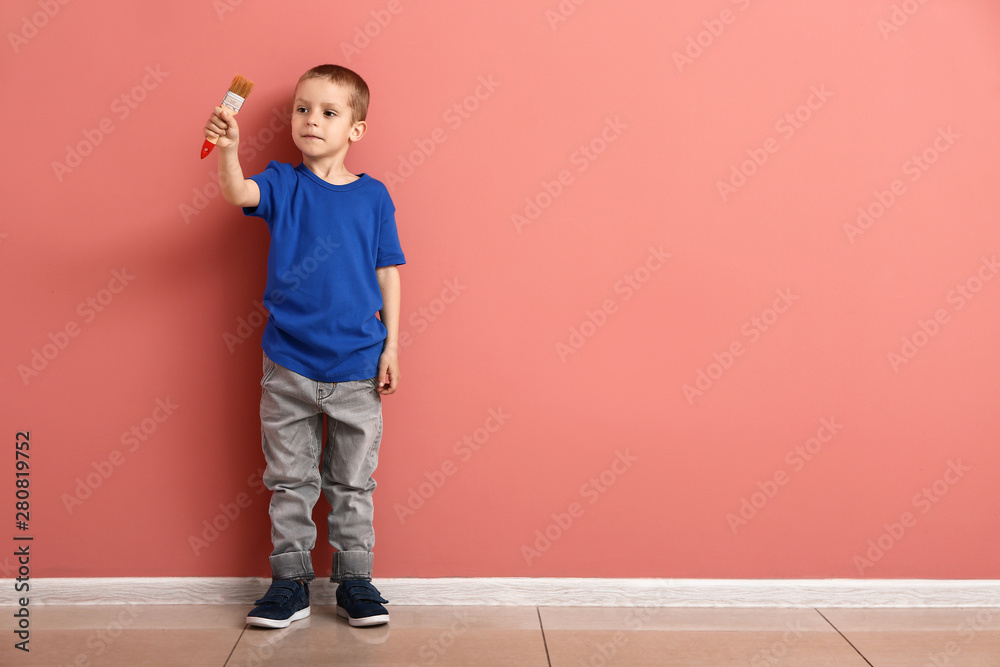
x=301 y=109
x=330 y=113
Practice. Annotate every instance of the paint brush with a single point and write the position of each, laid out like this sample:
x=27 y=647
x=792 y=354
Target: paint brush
x=239 y=89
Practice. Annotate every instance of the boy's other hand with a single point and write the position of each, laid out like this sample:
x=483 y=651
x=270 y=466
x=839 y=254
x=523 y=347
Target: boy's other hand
x=388 y=372
x=222 y=126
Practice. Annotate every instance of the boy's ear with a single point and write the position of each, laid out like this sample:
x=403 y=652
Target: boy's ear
x=358 y=131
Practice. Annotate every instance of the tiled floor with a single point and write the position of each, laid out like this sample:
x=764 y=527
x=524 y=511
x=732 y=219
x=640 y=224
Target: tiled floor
x=510 y=636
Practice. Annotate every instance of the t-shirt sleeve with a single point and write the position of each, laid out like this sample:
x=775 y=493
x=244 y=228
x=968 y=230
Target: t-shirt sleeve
x=273 y=188
x=389 y=250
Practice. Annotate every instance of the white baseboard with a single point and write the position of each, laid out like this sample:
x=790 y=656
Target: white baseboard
x=525 y=591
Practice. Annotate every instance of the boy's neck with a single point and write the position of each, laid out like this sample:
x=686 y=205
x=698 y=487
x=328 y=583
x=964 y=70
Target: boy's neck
x=331 y=170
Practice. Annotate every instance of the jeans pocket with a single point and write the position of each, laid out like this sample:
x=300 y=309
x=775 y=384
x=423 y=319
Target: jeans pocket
x=268 y=369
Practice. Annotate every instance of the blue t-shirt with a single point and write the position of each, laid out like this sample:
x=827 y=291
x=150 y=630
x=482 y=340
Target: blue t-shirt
x=322 y=292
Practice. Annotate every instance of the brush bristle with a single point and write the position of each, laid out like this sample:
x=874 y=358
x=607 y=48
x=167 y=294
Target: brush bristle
x=241 y=86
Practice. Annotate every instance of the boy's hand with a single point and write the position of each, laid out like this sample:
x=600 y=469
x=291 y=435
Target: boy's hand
x=222 y=126
x=388 y=372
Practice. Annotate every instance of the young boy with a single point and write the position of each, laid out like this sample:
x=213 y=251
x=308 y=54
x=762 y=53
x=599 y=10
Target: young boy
x=331 y=267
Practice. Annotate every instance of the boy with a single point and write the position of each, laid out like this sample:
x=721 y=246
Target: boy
x=331 y=267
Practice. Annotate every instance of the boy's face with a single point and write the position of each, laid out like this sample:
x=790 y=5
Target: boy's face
x=322 y=123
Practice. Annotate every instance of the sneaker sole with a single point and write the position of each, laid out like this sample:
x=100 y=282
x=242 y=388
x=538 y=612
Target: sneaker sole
x=275 y=622
x=363 y=622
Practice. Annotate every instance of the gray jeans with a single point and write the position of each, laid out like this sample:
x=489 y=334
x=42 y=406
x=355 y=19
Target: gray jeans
x=291 y=419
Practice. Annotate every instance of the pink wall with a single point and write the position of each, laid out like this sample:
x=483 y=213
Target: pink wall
x=759 y=383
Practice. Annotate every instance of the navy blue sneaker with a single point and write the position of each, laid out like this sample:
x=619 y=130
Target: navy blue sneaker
x=360 y=603
x=286 y=600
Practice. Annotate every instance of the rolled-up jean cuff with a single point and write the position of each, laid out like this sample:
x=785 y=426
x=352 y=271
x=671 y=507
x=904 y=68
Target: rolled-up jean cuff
x=292 y=565
x=352 y=565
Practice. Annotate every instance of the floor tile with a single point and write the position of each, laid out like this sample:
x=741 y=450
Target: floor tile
x=216 y=636
x=674 y=618
x=416 y=635
x=922 y=637
x=591 y=636
x=153 y=635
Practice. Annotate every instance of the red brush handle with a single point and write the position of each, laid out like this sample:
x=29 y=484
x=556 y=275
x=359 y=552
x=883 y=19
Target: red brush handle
x=206 y=148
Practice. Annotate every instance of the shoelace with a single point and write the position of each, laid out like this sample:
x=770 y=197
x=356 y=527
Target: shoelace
x=277 y=594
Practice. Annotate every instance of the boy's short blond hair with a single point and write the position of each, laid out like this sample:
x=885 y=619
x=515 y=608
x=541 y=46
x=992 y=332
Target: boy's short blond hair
x=349 y=79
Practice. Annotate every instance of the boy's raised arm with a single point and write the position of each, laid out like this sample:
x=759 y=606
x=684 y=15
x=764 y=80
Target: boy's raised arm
x=236 y=189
